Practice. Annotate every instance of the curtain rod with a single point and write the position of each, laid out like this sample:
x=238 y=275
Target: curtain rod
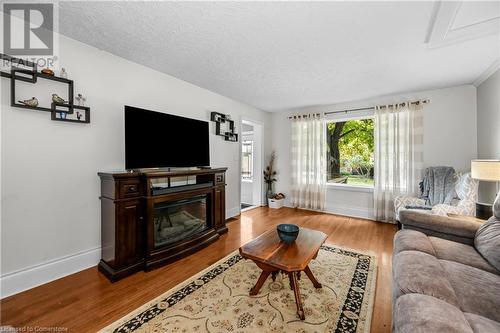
x=425 y=101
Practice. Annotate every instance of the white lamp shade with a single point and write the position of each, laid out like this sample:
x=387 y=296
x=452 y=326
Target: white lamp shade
x=487 y=170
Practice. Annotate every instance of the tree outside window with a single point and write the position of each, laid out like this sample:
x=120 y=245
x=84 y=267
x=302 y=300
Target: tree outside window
x=247 y=160
x=350 y=152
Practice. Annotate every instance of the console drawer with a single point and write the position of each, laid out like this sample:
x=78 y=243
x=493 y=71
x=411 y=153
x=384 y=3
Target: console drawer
x=129 y=189
x=219 y=178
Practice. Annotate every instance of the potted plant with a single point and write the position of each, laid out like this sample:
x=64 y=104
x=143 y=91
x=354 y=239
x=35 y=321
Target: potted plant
x=273 y=200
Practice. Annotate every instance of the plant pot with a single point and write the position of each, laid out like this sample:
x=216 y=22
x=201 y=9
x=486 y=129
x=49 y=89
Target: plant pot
x=275 y=204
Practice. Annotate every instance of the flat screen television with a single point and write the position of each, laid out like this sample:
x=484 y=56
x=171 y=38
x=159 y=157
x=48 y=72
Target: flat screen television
x=155 y=139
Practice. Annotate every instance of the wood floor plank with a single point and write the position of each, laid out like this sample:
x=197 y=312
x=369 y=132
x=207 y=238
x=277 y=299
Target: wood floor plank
x=86 y=301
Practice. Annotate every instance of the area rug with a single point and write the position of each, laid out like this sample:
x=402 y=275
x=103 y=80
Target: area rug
x=217 y=299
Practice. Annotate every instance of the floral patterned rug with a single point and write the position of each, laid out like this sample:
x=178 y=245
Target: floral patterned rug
x=217 y=299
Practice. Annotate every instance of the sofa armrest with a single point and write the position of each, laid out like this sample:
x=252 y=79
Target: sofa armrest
x=452 y=228
x=400 y=202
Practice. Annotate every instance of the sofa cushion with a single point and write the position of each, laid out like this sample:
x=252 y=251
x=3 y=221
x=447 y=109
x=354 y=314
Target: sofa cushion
x=477 y=291
x=464 y=254
x=412 y=240
x=459 y=230
x=487 y=241
x=482 y=325
x=421 y=273
x=414 y=313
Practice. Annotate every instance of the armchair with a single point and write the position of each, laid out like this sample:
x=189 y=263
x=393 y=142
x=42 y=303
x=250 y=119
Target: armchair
x=463 y=204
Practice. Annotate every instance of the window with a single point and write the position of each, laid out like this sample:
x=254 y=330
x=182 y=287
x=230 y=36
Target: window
x=350 y=146
x=247 y=160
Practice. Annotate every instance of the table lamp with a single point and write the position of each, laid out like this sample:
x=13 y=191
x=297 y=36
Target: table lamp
x=485 y=170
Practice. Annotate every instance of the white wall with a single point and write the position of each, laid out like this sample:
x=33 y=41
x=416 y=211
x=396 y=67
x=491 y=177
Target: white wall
x=50 y=188
x=488 y=128
x=449 y=139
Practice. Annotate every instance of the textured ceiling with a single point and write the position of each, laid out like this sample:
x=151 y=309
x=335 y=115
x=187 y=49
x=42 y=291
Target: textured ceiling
x=280 y=55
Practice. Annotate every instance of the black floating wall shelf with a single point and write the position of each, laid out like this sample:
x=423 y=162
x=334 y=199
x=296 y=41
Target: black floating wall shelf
x=26 y=71
x=224 y=126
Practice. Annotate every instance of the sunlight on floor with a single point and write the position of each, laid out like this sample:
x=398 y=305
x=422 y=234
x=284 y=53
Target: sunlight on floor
x=246 y=230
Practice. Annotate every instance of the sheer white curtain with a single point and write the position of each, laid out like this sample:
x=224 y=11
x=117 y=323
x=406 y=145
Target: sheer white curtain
x=398 y=155
x=308 y=162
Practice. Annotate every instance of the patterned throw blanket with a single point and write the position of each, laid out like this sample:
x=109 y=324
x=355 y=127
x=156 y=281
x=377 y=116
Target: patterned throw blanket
x=438 y=185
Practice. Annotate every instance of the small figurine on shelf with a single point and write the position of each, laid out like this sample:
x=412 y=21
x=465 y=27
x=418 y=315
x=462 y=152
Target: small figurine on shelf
x=33 y=102
x=57 y=99
x=78 y=115
x=47 y=71
x=64 y=74
x=81 y=99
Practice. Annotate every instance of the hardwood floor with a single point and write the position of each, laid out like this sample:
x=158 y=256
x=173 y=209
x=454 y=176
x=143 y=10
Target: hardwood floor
x=87 y=301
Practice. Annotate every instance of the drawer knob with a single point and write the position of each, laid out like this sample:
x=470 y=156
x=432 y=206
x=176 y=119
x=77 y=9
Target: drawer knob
x=131 y=189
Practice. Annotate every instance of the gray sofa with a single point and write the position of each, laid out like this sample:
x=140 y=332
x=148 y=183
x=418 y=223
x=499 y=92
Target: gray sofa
x=446 y=274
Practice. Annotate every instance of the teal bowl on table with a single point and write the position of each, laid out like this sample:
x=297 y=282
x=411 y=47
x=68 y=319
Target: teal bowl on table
x=288 y=232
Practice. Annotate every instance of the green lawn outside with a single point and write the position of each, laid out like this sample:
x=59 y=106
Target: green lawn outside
x=357 y=180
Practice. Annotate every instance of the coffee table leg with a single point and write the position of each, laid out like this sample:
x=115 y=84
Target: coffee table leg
x=311 y=277
x=298 y=300
x=262 y=278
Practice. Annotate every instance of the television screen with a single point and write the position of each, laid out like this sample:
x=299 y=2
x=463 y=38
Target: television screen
x=155 y=139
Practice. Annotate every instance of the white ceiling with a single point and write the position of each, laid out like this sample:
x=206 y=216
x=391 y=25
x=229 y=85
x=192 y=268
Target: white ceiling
x=281 y=55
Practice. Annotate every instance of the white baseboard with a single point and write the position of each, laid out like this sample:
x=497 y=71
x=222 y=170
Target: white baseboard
x=27 y=278
x=356 y=212
x=351 y=212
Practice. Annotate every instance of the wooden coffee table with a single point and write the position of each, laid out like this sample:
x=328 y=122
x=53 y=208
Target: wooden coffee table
x=272 y=256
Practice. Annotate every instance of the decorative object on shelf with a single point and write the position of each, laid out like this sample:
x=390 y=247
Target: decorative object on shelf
x=26 y=71
x=224 y=126
x=81 y=99
x=288 y=232
x=270 y=176
x=47 y=71
x=57 y=99
x=60 y=112
x=64 y=74
x=32 y=102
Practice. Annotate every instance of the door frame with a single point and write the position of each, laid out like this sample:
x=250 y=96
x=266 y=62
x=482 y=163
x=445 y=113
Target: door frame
x=260 y=166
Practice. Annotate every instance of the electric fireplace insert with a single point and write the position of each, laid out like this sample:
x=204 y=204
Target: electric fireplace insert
x=179 y=220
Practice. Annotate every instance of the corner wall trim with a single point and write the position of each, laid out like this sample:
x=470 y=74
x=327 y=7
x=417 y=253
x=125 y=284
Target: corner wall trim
x=232 y=212
x=487 y=73
x=30 y=277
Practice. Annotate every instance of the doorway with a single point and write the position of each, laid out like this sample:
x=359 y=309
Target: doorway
x=251 y=164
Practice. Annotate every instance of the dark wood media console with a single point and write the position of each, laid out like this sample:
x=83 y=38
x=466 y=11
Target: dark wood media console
x=153 y=217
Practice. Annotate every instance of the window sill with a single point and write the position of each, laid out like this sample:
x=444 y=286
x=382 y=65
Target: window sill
x=351 y=188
